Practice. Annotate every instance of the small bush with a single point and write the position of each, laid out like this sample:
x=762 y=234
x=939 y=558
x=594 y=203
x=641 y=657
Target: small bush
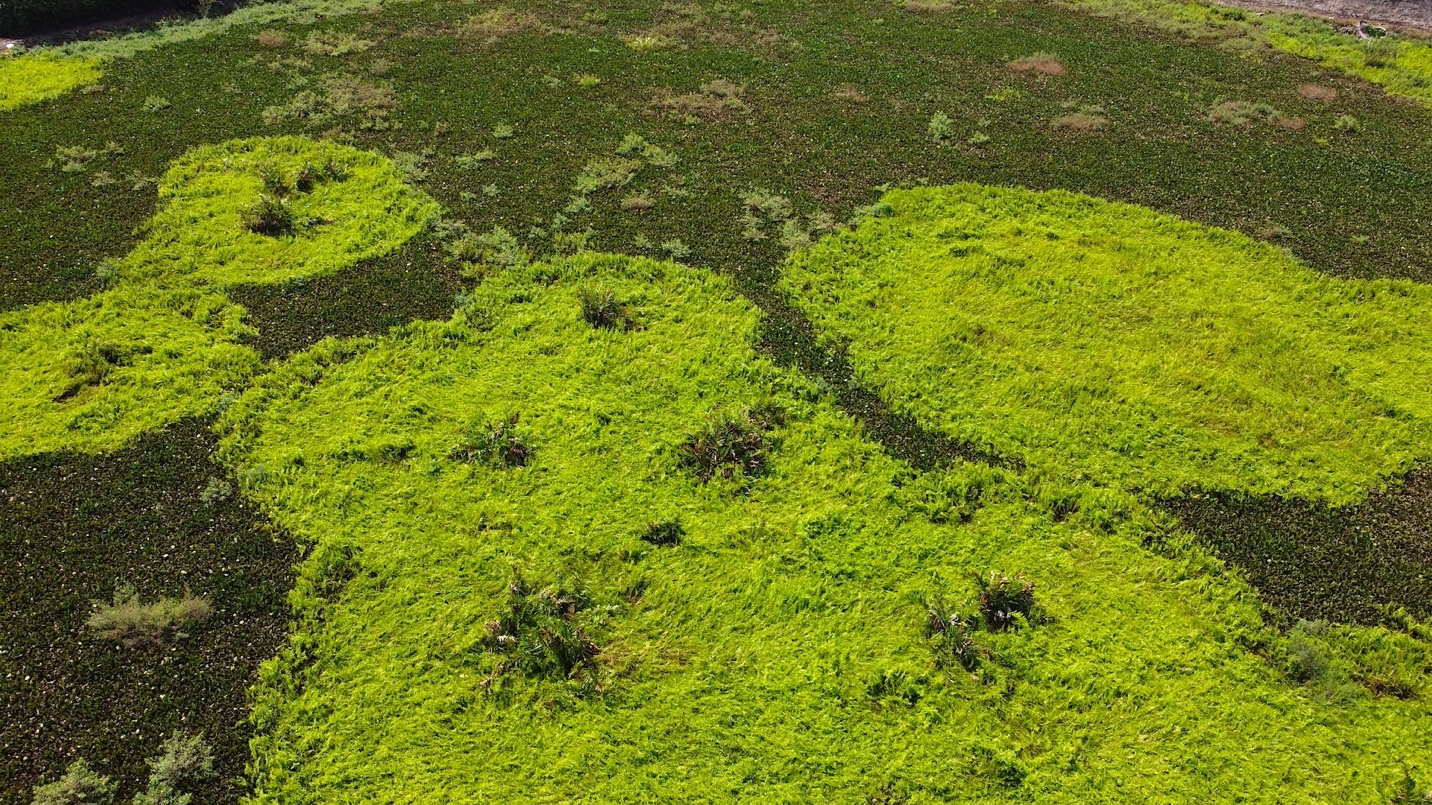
x=1347 y=124
x=730 y=445
x=1306 y=662
x=79 y=786
x=664 y=532
x=503 y=131
x=602 y=309
x=184 y=760
x=217 y=491
x=942 y=127
x=496 y=444
x=1002 y=598
x=154 y=103
x=134 y=623
x=675 y=249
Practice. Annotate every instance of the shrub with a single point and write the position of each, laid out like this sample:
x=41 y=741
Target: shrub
x=134 y=623
x=184 y=759
x=537 y=635
x=675 y=249
x=664 y=532
x=730 y=445
x=271 y=216
x=602 y=309
x=217 y=491
x=942 y=127
x=79 y=785
x=1347 y=124
x=154 y=103
x=1306 y=662
x=496 y=444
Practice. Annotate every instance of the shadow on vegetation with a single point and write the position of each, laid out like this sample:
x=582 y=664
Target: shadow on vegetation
x=787 y=335
x=1319 y=563
x=159 y=516
x=411 y=283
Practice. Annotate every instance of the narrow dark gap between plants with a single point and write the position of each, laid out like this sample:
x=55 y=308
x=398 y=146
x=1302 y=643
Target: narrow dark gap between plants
x=158 y=515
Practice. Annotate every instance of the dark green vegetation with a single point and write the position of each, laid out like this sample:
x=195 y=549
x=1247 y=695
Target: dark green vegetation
x=1314 y=562
x=729 y=534
x=76 y=527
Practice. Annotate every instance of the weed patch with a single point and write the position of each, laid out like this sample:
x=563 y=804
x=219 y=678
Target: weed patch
x=1039 y=63
x=496 y=444
x=134 y=623
x=715 y=100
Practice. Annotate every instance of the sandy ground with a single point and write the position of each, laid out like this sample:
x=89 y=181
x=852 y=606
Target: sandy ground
x=1412 y=15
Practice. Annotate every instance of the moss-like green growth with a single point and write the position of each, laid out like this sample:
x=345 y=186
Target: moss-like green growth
x=164 y=342
x=217 y=221
x=92 y=374
x=33 y=77
x=1106 y=341
x=776 y=651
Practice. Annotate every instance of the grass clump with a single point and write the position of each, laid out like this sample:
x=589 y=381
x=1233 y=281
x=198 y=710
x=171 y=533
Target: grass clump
x=131 y=622
x=495 y=444
x=1006 y=298
x=664 y=533
x=941 y=127
x=731 y=444
x=540 y=634
x=334 y=44
x=499 y=23
x=603 y=310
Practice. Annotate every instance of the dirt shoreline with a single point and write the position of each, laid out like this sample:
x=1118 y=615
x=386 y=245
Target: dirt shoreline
x=1410 y=16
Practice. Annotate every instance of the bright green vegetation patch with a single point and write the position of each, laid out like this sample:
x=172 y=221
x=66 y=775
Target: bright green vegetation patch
x=164 y=342
x=1106 y=342
x=33 y=77
x=1401 y=66
x=274 y=210
x=552 y=560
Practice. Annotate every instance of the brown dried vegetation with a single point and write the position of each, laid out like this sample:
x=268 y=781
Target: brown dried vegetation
x=715 y=100
x=1041 y=63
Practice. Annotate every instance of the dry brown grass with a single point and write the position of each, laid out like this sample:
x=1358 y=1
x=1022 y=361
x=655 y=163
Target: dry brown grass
x=490 y=26
x=929 y=5
x=638 y=202
x=1081 y=122
x=848 y=92
x=1041 y=63
x=1318 y=92
x=271 y=39
x=1294 y=123
x=714 y=101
